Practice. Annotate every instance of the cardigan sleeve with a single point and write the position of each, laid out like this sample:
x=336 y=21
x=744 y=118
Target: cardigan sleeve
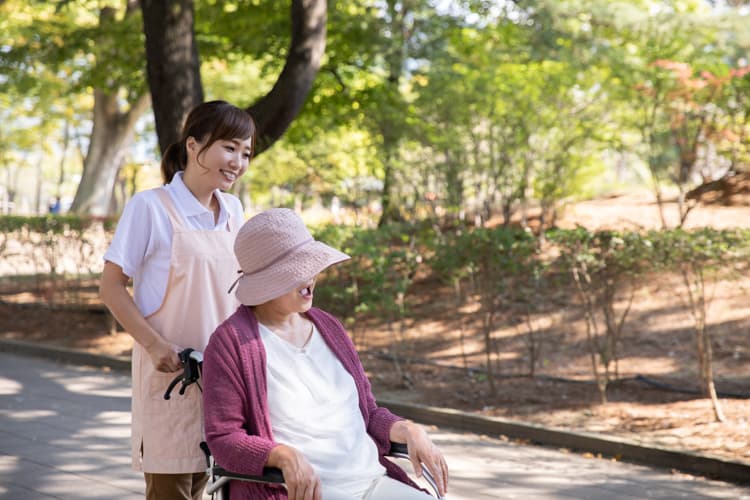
x=230 y=397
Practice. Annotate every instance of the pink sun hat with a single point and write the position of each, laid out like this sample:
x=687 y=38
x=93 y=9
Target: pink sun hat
x=277 y=254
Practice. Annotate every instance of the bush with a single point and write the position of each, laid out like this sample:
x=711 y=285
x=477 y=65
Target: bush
x=53 y=245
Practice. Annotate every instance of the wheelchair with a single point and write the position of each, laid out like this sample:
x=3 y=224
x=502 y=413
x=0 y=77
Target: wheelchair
x=219 y=477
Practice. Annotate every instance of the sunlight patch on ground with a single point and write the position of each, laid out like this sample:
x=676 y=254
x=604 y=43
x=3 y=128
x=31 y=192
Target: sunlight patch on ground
x=453 y=354
x=53 y=375
x=507 y=332
x=9 y=387
x=638 y=211
x=636 y=365
x=470 y=307
x=92 y=386
x=27 y=414
x=507 y=356
x=106 y=431
x=114 y=417
x=8 y=465
x=685 y=424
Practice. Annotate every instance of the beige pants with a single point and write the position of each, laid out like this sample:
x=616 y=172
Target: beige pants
x=175 y=486
x=384 y=488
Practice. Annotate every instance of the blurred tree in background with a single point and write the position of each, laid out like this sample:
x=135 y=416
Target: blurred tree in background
x=380 y=110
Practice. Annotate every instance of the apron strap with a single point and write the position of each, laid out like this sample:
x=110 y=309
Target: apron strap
x=174 y=217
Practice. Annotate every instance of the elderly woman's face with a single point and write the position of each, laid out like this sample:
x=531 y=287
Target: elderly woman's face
x=298 y=300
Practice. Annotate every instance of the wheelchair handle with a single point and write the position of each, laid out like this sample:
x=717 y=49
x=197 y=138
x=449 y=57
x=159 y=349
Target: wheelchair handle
x=192 y=364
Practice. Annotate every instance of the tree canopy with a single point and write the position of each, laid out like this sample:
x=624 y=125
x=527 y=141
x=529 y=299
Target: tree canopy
x=398 y=108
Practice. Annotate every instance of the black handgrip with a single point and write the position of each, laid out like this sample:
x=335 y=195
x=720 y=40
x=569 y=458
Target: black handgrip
x=207 y=452
x=271 y=475
x=184 y=356
x=168 y=392
x=274 y=475
x=191 y=371
x=399 y=448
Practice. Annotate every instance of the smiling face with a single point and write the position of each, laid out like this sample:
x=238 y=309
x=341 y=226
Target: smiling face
x=221 y=163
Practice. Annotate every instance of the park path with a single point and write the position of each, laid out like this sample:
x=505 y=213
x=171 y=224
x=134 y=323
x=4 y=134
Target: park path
x=64 y=435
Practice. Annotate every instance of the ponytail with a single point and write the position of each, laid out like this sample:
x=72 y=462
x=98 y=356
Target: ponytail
x=174 y=160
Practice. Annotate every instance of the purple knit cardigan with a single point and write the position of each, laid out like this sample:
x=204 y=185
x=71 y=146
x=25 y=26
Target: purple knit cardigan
x=238 y=429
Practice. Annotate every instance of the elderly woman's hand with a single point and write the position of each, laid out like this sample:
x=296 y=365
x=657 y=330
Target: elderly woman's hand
x=301 y=481
x=422 y=451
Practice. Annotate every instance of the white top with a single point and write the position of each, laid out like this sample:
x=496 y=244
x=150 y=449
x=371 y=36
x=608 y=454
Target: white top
x=314 y=407
x=142 y=244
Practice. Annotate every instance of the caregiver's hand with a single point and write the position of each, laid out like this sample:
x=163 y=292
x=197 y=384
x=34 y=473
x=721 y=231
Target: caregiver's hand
x=164 y=356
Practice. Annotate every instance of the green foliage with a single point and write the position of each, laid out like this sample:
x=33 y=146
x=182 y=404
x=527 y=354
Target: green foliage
x=506 y=262
x=52 y=224
x=471 y=106
x=611 y=253
x=383 y=265
x=707 y=248
x=493 y=258
x=75 y=45
x=502 y=270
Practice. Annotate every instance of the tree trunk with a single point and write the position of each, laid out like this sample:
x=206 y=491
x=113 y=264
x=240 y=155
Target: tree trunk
x=63 y=157
x=454 y=183
x=111 y=134
x=592 y=329
x=172 y=64
x=392 y=109
x=698 y=306
x=174 y=68
x=705 y=357
x=389 y=211
x=38 y=191
x=487 y=327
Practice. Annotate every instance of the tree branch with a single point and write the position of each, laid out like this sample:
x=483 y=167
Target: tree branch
x=274 y=112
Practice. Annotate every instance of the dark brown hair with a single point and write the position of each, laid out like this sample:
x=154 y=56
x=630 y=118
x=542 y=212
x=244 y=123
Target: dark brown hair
x=208 y=122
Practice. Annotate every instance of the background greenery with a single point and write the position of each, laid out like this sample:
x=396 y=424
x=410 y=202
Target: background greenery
x=421 y=108
x=428 y=118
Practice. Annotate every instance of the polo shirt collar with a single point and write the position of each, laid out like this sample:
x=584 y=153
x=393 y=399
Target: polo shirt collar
x=189 y=205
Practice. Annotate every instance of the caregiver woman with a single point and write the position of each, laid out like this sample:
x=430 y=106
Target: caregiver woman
x=175 y=243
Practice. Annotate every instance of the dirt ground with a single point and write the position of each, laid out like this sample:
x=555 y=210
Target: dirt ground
x=445 y=348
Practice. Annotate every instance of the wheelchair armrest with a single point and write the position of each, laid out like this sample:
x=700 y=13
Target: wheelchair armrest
x=398 y=449
x=274 y=475
x=271 y=475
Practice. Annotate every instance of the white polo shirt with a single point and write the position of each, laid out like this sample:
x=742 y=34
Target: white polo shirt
x=142 y=244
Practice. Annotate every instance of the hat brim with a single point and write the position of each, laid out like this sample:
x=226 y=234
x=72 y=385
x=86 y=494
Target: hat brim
x=284 y=276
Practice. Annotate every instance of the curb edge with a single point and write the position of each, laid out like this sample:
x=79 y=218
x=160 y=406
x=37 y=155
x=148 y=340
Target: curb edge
x=620 y=449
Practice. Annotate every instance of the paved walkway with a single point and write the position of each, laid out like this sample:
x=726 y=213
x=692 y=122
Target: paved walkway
x=64 y=434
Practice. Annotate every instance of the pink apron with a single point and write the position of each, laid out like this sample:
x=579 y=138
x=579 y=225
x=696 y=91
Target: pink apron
x=166 y=434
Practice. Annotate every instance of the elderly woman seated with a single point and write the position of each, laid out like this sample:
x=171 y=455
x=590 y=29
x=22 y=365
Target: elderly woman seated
x=284 y=386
